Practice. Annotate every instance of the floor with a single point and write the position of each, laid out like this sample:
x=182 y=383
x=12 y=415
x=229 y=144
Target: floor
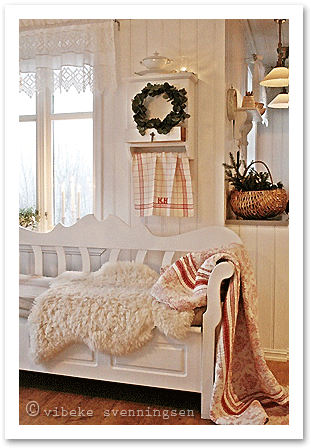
x=56 y=400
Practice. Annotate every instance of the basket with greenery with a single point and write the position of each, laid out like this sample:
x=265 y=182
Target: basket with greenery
x=29 y=217
x=255 y=195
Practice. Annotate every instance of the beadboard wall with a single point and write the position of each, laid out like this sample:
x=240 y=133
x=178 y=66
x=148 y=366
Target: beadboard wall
x=268 y=246
x=203 y=42
x=217 y=54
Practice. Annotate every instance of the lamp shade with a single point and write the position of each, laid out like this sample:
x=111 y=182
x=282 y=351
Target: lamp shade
x=281 y=101
x=278 y=77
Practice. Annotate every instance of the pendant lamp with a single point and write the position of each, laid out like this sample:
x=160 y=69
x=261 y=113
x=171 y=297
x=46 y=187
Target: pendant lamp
x=279 y=75
x=281 y=101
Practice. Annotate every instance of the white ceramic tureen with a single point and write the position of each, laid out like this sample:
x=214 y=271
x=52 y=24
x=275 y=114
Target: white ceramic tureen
x=155 y=62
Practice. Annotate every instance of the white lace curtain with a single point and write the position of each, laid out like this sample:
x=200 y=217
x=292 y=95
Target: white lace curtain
x=78 y=55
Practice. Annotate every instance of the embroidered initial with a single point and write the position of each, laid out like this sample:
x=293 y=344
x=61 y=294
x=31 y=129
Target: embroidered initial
x=162 y=200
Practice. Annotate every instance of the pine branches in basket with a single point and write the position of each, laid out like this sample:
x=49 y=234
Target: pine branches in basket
x=255 y=195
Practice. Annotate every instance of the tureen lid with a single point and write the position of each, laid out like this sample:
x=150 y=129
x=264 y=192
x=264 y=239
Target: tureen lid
x=154 y=56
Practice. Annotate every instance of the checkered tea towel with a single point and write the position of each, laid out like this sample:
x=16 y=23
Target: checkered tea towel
x=162 y=184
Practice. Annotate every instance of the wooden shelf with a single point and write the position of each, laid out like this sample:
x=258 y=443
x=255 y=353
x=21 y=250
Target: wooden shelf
x=284 y=221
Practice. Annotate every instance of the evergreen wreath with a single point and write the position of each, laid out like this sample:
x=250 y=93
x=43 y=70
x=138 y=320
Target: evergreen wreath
x=178 y=99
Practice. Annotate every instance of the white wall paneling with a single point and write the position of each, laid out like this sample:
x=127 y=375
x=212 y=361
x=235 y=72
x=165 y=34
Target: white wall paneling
x=268 y=247
x=281 y=285
x=202 y=42
x=217 y=52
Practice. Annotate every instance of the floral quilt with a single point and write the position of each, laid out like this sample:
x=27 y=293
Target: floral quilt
x=243 y=381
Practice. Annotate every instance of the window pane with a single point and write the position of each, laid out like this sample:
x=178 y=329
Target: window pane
x=72 y=101
x=73 y=169
x=27 y=175
x=26 y=105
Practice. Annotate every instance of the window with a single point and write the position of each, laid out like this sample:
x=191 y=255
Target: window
x=252 y=135
x=27 y=138
x=65 y=69
x=56 y=147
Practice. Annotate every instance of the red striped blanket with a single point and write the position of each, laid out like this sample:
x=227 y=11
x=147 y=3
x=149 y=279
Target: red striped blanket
x=243 y=381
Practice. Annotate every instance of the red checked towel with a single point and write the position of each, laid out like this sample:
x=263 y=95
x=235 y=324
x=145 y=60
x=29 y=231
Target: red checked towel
x=162 y=184
x=243 y=382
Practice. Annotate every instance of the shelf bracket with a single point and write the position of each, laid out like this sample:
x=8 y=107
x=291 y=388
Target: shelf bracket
x=244 y=124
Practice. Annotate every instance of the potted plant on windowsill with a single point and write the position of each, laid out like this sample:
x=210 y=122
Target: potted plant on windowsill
x=254 y=195
x=29 y=217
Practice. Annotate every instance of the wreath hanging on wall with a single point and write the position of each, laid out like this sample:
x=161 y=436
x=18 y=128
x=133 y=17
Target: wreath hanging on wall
x=177 y=98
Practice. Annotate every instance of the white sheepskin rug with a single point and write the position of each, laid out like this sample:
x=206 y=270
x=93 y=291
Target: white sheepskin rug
x=109 y=310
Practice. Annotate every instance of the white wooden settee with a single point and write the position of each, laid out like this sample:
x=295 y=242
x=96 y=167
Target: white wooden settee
x=187 y=364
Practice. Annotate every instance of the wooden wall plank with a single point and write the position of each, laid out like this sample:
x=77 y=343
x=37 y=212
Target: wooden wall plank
x=154 y=37
x=123 y=159
x=189 y=43
x=281 y=312
x=248 y=235
x=139 y=48
x=265 y=284
x=171 y=39
x=219 y=119
x=206 y=181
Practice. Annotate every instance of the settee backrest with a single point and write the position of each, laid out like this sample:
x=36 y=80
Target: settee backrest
x=89 y=243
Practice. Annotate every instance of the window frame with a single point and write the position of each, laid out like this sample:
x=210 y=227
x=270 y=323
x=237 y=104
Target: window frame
x=44 y=154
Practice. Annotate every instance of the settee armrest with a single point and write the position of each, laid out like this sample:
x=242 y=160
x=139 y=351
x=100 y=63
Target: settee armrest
x=211 y=318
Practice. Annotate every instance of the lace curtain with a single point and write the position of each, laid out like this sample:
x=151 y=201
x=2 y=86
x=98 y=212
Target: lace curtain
x=76 y=55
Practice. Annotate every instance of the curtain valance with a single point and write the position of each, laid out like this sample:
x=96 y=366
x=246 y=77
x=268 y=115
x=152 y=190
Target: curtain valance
x=76 y=55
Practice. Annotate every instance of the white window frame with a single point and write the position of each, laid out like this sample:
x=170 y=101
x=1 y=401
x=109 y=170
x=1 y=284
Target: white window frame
x=44 y=154
x=252 y=135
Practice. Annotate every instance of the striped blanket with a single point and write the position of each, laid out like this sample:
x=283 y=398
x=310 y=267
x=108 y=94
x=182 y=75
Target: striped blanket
x=243 y=382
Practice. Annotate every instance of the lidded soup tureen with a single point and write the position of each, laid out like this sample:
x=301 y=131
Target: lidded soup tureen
x=155 y=62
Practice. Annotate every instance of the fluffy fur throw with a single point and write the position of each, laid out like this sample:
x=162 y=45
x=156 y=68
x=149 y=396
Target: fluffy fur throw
x=110 y=310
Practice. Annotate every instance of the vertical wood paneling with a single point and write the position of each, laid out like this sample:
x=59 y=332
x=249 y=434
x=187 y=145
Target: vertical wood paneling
x=248 y=235
x=189 y=43
x=219 y=118
x=206 y=181
x=154 y=37
x=123 y=159
x=268 y=250
x=199 y=40
x=203 y=41
x=281 y=330
x=265 y=284
x=171 y=39
x=139 y=48
x=189 y=48
x=285 y=149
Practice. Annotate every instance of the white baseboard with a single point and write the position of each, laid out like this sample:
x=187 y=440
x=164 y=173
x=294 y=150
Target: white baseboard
x=276 y=355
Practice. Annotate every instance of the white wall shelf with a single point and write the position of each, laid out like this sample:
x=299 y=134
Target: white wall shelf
x=283 y=221
x=184 y=135
x=252 y=112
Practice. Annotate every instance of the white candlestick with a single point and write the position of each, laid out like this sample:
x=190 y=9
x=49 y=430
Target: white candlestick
x=63 y=203
x=72 y=198
x=78 y=201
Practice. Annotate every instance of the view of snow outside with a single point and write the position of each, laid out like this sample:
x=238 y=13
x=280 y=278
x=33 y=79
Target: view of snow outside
x=72 y=143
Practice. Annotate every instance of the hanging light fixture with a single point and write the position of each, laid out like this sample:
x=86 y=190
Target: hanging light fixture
x=279 y=75
x=281 y=101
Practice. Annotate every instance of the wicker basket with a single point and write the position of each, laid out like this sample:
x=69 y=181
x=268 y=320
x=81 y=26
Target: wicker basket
x=260 y=204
